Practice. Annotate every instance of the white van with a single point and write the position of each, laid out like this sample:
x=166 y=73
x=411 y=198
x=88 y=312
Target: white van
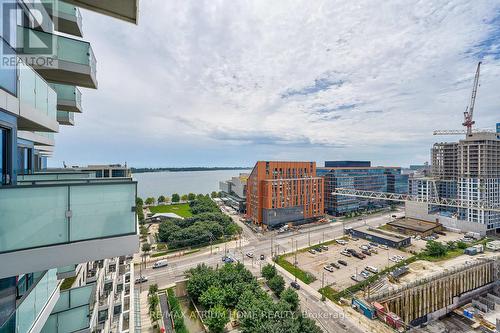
x=371 y=269
x=160 y=263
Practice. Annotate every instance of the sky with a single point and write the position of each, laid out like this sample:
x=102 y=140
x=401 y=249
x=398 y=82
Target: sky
x=227 y=83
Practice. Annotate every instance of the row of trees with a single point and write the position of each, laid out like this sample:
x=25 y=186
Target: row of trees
x=233 y=289
x=207 y=224
x=176 y=198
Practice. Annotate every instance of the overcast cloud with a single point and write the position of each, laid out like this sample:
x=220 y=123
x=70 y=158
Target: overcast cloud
x=212 y=83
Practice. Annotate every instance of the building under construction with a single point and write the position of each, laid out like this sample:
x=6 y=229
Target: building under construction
x=468 y=170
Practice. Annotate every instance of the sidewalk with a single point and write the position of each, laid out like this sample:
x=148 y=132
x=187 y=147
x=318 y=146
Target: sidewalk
x=146 y=324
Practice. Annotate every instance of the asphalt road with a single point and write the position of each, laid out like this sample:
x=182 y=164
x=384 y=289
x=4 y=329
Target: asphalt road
x=266 y=244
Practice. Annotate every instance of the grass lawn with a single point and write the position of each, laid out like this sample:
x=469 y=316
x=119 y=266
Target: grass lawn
x=182 y=210
x=300 y=274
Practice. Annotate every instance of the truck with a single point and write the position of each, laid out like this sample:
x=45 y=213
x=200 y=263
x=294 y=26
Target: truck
x=474 y=235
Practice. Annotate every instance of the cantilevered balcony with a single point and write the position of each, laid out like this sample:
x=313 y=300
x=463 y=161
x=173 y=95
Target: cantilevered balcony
x=39 y=138
x=35 y=306
x=66 y=17
x=69 y=98
x=73 y=311
x=72 y=61
x=121 y=9
x=65 y=118
x=37 y=102
x=57 y=223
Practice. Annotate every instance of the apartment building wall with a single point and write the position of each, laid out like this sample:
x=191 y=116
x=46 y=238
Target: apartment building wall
x=284 y=192
x=36 y=242
x=471 y=169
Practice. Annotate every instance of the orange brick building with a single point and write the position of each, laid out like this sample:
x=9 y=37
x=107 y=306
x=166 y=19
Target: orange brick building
x=284 y=192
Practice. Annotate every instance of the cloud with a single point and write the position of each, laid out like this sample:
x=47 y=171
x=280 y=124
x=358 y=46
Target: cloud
x=374 y=77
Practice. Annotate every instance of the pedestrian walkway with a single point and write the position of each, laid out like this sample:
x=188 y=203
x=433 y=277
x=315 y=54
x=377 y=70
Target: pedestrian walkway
x=147 y=326
x=165 y=311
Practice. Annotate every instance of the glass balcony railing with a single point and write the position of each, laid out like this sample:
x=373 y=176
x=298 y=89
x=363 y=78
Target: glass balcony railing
x=63 y=48
x=65 y=117
x=54 y=176
x=73 y=311
x=62 y=212
x=32 y=305
x=68 y=97
x=35 y=91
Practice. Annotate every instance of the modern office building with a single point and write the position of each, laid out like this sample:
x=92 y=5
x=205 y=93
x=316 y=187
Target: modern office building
x=359 y=175
x=284 y=192
x=234 y=192
x=50 y=223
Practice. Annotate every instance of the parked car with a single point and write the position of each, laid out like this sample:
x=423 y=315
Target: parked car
x=365 y=274
x=262 y=257
x=295 y=285
x=394 y=216
x=373 y=244
x=328 y=268
x=227 y=260
x=342 y=262
x=250 y=255
x=371 y=269
x=384 y=247
x=357 y=278
x=312 y=251
x=373 y=250
x=334 y=265
x=141 y=279
x=341 y=241
x=355 y=239
x=317 y=249
x=364 y=247
x=160 y=263
x=324 y=247
x=368 y=253
x=345 y=253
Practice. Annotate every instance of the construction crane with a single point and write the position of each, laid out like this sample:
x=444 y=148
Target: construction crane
x=437 y=201
x=469 y=112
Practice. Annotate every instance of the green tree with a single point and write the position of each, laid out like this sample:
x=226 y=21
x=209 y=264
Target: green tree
x=291 y=297
x=153 y=302
x=146 y=247
x=153 y=289
x=435 y=249
x=201 y=278
x=184 y=197
x=214 y=194
x=268 y=271
x=150 y=201
x=217 y=318
x=155 y=316
x=176 y=198
x=191 y=196
x=138 y=201
x=462 y=245
x=212 y=296
x=276 y=284
x=161 y=199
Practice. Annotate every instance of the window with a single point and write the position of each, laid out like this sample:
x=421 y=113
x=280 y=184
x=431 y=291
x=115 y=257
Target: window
x=4 y=156
x=24 y=160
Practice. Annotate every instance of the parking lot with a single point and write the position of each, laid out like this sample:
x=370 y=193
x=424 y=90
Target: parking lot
x=340 y=278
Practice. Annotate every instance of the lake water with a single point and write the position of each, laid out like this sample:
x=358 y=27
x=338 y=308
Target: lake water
x=154 y=184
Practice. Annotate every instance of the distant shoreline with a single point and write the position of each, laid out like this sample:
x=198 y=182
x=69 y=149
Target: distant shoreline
x=142 y=170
